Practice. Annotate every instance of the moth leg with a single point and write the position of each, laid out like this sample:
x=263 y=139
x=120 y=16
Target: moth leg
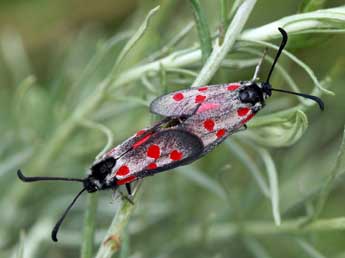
x=242 y=128
x=258 y=66
x=127 y=198
x=115 y=194
x=129 y=189
x=137 y=185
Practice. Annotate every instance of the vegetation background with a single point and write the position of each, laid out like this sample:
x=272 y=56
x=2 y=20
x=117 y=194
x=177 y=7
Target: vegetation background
x=78 y=76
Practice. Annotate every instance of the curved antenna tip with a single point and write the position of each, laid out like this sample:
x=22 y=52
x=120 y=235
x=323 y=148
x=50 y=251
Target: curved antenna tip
x=283 y=32
x=321 y=104
x=21 y=176
x=54 y=237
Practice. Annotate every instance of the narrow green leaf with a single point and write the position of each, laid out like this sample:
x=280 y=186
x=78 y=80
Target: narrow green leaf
x=219 y=52
x=21 y=245
x=11 y=163
x=203 y=180
x=279 y=131
x=256 y=248
x=224 y=19
x=250 y=164
x=89 y=226
x=203 y=29
x=105 y=130
x=327 y=187
x=272 y=175
x=134 y=39
x=309 y=249
x=311 y=5
x=273 y=181
x=224 y=10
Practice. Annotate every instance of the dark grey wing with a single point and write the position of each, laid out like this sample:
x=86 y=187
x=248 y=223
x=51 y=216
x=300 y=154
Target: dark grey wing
x=126 y=145
x=214 y=127
x=185 y=102
x=164 y=150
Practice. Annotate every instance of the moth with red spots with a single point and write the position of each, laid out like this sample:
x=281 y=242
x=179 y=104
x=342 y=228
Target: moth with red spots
x=150 y=151
x=221 y=109
x=196 y=121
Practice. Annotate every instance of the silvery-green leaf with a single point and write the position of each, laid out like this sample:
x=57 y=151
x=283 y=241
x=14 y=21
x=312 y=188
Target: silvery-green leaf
x=280 y=131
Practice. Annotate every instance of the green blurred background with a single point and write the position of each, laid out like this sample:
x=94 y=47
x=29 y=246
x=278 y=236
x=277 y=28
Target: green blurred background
x=53 y=54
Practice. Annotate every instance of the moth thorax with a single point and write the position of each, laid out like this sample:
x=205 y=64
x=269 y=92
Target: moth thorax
x=251 y=93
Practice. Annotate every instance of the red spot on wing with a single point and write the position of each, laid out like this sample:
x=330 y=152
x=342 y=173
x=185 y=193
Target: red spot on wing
x=126 y=180
x=141 y=141
x=250 y=116
x=152 y=166
x=234 y=86
x=199 y=98
x=140 y=132
x=154 y=151
x=178 y=96
x=243 y=111
x=202 y=88
x=122 y=171
x=207 y=106
x=209 y=124
x=176 y=155
x=220 y=133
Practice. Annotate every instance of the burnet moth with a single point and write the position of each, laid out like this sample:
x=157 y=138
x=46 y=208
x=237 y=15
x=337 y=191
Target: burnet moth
x=196 y=121
x=223 y=109
x=150 y=151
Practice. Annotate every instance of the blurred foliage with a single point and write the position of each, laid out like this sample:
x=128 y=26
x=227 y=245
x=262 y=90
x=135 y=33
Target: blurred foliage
x=61 y=97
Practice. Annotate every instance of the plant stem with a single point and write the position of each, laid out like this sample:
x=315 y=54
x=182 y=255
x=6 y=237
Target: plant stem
x=327 y=187
x=89 y=226
x=203 y=29
x=269 y=31
x=224 y=7
x=220 y=51
x=259 y=228
x=112 y=240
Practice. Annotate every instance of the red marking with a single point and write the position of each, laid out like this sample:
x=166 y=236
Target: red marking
x=122 y=171
x=207 y=106
x=243 y=111
x=176 y=155
x=209 y=124
x=152 y=166
x=203 y=89
x=126 y=180
x=199 y=98
x=154 y=151
x=141 y=141
x=178 y=96
x=250 y=116
x=140 y=132
x=233 y=87
x=220 y=133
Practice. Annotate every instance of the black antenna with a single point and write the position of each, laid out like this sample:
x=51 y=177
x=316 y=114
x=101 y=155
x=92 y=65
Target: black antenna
x=267 y=84
x=280 y=50
x=307 y=96
x=58 y=224
x=43 y=178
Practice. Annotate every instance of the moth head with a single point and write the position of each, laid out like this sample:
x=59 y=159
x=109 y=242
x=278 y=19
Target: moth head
x=98 y=173
x=252 y=93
